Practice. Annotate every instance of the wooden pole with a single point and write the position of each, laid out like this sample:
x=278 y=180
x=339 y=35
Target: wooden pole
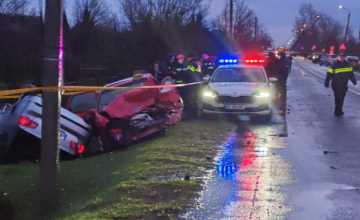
x=52 y=76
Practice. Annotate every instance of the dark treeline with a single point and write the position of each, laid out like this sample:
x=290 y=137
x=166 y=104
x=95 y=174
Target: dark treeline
x=313 y=27
x=101 y=43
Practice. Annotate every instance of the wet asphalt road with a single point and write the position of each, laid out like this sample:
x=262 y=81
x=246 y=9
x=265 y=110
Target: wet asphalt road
x=303 y=165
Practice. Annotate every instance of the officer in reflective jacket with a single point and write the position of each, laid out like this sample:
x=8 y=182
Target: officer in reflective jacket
x=339 y=73
x=180 y=69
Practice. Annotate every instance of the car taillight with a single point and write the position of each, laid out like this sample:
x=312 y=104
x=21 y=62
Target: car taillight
x=73 y=145
x=25 y=121
x=80 y=148
x=77 y=147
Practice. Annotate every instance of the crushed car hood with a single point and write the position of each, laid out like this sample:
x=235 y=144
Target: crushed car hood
x=131 y=102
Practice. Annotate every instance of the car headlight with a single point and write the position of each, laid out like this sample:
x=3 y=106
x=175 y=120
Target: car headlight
x=262 y=95
x=209 y=93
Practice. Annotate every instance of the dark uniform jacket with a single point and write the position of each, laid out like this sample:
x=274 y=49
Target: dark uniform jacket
x=208 y=67
x=180 y=72
x=340 y=73
x=272 y=67
x=165 y=69
x=283 y=69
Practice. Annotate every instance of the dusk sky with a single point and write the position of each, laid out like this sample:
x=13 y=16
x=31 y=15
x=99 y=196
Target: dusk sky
x=278 y=16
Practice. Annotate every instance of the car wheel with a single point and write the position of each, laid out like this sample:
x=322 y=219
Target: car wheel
x=108 y=144
x=93 y=147
x=320 y=64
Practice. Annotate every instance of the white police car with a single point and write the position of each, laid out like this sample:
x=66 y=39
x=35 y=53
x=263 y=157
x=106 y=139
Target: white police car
x=242 y=89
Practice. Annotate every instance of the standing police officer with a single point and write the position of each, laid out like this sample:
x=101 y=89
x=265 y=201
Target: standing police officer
x=339 y=73
x=283 y=73
x=165 y=68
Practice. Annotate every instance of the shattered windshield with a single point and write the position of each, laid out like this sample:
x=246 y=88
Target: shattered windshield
x=107 y=96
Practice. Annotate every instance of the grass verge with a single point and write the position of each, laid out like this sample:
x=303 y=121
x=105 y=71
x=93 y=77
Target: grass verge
x=145 y=181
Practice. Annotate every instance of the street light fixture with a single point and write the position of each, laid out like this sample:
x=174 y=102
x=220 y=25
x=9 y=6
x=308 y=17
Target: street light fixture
x=347 y=26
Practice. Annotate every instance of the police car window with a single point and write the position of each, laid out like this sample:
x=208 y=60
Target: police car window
x=107 y=96
x=83 y=102
x=239 y=75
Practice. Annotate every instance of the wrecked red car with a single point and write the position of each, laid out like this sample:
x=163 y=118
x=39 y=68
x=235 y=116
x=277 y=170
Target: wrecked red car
x=120 y=117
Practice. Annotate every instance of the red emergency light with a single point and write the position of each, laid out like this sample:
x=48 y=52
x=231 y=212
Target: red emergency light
x=255 y=61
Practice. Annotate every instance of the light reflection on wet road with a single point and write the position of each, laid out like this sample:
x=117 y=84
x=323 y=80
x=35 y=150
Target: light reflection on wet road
x=248 y=180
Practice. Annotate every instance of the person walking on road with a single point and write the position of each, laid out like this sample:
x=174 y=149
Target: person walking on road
x=283 y=75
x=339 y=73
x=165 y=68
x=290 y=59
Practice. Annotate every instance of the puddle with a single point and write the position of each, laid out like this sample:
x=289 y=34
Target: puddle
x=247 y=181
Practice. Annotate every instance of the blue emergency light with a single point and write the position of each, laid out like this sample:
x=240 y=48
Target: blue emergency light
x=228 y=61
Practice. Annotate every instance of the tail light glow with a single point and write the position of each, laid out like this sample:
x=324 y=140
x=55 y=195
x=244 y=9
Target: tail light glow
x=77 y=147
x=25 y=121
x=80 y=148
x=73 y=145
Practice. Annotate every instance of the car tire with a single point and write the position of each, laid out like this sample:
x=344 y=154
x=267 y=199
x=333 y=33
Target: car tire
x=92 y=148
x=320 y=64
x=108 y=144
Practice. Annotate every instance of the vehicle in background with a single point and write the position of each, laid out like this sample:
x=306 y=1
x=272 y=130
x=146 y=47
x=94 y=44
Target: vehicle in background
x=327 y=59
x=316 y=57
x=242 y=89
x=21 y=124
x=269 y=50
x=294 y=54
x=120 y=117
x=353 y=60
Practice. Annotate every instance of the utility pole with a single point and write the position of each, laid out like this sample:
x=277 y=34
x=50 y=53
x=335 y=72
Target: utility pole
x=347 y=27
x=231 y=19
x=52 y=76
x=256 y=20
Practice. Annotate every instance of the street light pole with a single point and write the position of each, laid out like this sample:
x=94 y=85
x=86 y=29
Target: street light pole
x=347 y=26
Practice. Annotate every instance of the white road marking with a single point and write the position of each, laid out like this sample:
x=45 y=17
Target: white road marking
x=351 y=90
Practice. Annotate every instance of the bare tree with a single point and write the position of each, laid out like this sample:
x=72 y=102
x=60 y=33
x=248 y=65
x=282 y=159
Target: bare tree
x=244 y=20
x=159 y=12
x=13 y=6
x=91 y=13
x=315 y=28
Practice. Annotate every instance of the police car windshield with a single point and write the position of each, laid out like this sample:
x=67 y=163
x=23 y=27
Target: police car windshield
x=239 y=74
